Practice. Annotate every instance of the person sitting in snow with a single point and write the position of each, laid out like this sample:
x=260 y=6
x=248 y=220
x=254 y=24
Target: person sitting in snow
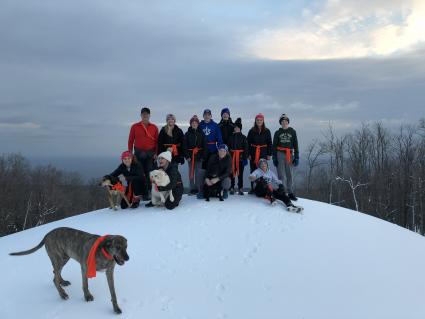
x=238 y=147
x=131 y=172
x=175 y=185
x=218 y=170
x=269 y=186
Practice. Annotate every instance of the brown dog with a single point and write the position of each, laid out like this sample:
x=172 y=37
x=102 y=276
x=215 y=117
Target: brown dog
x=65 y=243
x=115 y=191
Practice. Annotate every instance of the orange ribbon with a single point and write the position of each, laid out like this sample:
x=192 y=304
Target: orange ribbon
x=236 y=155
x=118 y=187
x=288 y=153
x=257 y=152
x=195 y=151
x=174 y=149
x=91 y=258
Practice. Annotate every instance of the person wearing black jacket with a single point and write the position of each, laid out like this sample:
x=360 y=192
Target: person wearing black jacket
x=175 y=185
x=260 y=144
x=171 y=138
x=133 y=173
x=219 y=168
x=238 y=147
x=226 y=125
x=195 y=152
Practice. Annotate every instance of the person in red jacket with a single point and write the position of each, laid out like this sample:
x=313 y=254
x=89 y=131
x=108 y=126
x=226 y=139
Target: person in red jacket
x=143 y=138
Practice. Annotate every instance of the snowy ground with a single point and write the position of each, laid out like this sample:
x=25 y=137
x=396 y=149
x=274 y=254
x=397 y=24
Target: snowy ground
x=235 y=259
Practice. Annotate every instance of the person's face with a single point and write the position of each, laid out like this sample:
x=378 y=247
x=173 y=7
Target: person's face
x=222 y=153
x=194 y=125
x=263 y=166
x=145 y=117
x=225 y=116
x=127 y=161
x=285 y=124
x=162 y=162
x=236 y=129
x=170 y=121
x=259 y=121
x=207 y=117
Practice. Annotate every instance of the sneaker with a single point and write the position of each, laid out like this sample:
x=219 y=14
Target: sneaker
x=232 y=191
x=225 y=194
x=150 y=204
x=200 y=195
x=241 y=192
x=292 y=197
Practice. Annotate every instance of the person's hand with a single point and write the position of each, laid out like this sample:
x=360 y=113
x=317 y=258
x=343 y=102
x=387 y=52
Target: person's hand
x=208 y=182
x=296 y=161
x=155 y=156
x=170 y=149
x=215 y=180
x=189 y=159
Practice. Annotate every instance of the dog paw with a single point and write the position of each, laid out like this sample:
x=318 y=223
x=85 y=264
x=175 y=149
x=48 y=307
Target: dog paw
x=117 y=310
x=64 y=295
x=89 y=297
x=65 y=283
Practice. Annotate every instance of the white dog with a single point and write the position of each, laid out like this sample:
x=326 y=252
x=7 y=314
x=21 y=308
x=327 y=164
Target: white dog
x=160 y=178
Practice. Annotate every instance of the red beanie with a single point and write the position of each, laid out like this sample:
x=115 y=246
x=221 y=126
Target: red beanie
x=259 y=116
x=126 y=154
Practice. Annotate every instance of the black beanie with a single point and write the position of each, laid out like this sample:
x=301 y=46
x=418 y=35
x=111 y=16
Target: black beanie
x=238 y=123
x=145 y=110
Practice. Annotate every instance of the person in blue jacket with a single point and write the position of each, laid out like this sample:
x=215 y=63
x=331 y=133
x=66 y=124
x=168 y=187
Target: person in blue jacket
x=213 y=136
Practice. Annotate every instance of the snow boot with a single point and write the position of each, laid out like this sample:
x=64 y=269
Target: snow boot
x=294 y=209
x=232 y=191
x=292 y=197
x=241 y=192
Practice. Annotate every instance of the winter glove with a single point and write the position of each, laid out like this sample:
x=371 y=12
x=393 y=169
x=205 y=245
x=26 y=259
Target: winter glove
x=295 y=161
x=215 y=180
x=275 y=162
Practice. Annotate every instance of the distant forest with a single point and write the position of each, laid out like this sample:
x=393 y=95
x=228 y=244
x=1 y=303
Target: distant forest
x=376 y=170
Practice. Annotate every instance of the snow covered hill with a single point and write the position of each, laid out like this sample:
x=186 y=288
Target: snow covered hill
x=240 y=258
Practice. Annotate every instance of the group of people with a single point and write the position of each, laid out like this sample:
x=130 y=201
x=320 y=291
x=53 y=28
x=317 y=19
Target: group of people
x=214 y=152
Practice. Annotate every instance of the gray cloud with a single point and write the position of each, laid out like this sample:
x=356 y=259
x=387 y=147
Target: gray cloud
x=79 y=71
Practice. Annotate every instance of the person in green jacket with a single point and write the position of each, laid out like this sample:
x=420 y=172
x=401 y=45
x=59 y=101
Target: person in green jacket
x=285 y=154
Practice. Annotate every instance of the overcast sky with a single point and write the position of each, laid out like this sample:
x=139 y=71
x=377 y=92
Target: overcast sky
x=74 y=74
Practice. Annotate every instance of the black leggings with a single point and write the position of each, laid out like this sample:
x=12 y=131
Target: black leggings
x=262 y=190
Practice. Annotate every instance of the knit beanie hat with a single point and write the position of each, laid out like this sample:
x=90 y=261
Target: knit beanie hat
x=126 y=154
x=262 y=160
x=283 y=117
x=170 y=116
x=194 y=119
x=207 y=111
x=238 y=123
x=166 y=155
x=259 y=116
x=225 y=110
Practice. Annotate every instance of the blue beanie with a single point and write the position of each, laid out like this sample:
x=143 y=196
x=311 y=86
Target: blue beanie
x=225 y=110
x=222 y=147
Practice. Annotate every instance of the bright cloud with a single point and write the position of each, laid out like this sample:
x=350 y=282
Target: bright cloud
x=346 y=29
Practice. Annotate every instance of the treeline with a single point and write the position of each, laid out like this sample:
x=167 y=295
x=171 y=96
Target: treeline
x=375 y=170
x=34 y=196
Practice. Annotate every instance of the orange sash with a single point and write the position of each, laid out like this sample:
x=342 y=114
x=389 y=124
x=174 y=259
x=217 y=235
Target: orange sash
x=257 y=152
x=118 y=187
x=288 y=153
x=195 y=151
x=174 y=149
x=236 y=155
x=91 y=258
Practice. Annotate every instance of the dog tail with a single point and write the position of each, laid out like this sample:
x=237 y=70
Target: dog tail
x=30 y=251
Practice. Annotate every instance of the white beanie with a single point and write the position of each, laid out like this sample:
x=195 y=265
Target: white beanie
x=166 y=155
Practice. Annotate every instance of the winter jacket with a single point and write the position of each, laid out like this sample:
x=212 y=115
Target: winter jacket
x=176 y=184
x=217 y=167
x=226 y=128
x=238 y=141
x=165 y=141
x=268 y=176
x=260 y=138
x=195 y=138
x=287 y=139
x=134 y=174
x=143 y=138
x=213 y=135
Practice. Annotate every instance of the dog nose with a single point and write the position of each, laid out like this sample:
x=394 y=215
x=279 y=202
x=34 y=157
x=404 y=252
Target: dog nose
x=126 y=257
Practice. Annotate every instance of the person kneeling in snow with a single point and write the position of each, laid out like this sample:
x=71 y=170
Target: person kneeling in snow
x=265 y=186
x=175 y=185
